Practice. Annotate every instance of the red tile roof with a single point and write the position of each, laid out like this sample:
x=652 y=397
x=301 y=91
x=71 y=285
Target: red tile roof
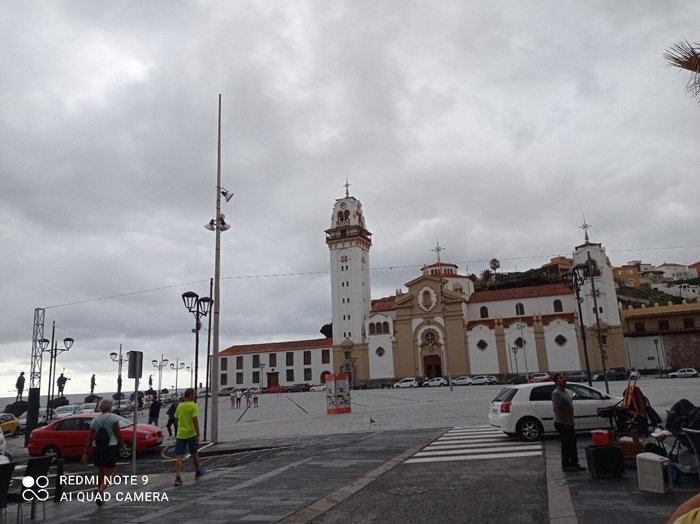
x=270 y=347
x=547 y=290
x=383 y=304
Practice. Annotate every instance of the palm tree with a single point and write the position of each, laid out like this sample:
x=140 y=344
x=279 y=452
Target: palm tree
x=495 y=265
x=685 y=55
x=486 y=275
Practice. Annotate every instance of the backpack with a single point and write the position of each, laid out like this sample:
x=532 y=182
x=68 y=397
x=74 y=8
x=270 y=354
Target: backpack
x=102 y=437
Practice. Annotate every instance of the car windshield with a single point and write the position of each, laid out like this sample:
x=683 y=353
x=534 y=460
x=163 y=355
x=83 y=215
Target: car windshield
x=124 y=422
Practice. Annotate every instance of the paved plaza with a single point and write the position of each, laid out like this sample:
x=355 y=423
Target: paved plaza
x=393 y=457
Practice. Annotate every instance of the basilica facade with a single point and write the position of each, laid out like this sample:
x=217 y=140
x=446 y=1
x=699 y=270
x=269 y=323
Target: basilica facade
x=439 y=325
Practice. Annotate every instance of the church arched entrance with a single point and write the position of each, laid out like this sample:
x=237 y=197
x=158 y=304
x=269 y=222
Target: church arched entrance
x=432 y=366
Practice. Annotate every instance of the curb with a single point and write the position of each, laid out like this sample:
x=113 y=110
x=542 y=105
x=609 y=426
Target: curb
x=561 y=507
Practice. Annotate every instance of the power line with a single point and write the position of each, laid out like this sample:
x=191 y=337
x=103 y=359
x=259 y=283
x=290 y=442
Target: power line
x=465 y=263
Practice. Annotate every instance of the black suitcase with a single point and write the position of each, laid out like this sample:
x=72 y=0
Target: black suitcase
x=605 y=461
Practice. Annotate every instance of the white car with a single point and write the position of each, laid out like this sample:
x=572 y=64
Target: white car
x=480 y=380
x=683 y=373
x=319 y=387
x=64 y=411
x=461 y=381
x=436 y=382
x=406 y=383
x=525 y=410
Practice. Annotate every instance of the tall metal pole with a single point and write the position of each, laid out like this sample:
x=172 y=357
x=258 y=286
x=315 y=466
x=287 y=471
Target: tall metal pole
x=208 y=374
x=577 y=287
x=52 y=360
x=217 y=297
x=597 y=321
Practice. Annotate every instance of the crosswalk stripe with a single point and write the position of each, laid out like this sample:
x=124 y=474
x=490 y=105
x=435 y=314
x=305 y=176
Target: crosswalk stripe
x=474 y=457
x=474 y=444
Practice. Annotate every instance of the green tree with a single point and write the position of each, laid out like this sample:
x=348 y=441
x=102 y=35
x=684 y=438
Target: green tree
x=495 y=265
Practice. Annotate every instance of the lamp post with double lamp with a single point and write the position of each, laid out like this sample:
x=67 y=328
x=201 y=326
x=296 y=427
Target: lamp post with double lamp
x=53 y=351
x=575 y=279
x=177 y=366
x=190 y=370
x=514 y=349
x=119 y=359
x=199 y=307
x=160 y=364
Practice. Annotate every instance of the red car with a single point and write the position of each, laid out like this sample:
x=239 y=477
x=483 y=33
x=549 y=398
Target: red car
x=66 y=436
x=540 y=377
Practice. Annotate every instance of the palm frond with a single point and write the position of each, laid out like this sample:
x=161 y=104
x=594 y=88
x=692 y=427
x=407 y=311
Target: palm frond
x=685 y=55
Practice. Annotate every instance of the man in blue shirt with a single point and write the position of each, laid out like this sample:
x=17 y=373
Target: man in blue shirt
x=564 y=424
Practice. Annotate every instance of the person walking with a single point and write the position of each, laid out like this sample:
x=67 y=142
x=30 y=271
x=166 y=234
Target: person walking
x=92 y=384
x=20 y=386
x=154 y=412
x=187 y=436
x=104 y=440
x=239 y=396
x=255 y=398
x=61 y=383
x=563 y=408
x=172 y=421
x=248 y=397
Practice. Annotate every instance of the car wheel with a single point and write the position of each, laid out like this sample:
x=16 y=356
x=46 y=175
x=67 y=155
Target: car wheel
x=52 y=451
x=529 y=429
x=125 y=452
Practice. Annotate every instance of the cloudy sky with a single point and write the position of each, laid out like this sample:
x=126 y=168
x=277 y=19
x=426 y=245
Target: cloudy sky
x=494 y=127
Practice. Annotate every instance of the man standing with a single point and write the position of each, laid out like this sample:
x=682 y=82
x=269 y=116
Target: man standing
x=92 y=384
x=172 y=421
x=187 y=436
x=20 y=387
x=61 y=383
x=154 y=412
x=564 y=424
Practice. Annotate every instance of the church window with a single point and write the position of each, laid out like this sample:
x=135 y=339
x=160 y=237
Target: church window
x=380 y=352
x=239 y=378
x=347 y=215
x=307 y=358
x=340 y=216
x=290 y=375
x=558 y=308
x=519 y=309
x=560 y=339
x=385 y=328
x=484 y=312
x=273 y=360
x=290 y=358
x=239 y=362
x=372 y=329
x=519 y=342
x=482 y=344
x=307 y=374
x=256 y=361
x=256 y=377
x=325 y=356
x=430 y=337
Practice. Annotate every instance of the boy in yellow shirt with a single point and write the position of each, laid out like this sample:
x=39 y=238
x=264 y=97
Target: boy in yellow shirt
x=187 y=436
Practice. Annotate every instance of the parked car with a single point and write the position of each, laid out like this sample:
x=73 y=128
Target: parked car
x=69 y=409
x=461 y=381
x=88 y=407
x=41 y=419
x=66 y=437
x=540 y=377
x=576 y=376
x=479 y=380
x=437 y=382
x=683 y=373
x=318 y=387
x=299 y=388
x=616 y=374
x=525 y=410
x=409 y=382
x=9 y=424
x=276 y=389
x=225 y=392
x=492 y=379
x=518 y=379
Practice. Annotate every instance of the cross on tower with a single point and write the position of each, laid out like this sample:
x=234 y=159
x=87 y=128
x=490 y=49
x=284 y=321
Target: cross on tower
x=347 y=188
x=438 y=249
x=585 y=228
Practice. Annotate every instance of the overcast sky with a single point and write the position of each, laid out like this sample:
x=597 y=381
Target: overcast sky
x=494 y=127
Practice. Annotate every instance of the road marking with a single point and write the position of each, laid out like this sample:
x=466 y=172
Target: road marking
x=477 y=443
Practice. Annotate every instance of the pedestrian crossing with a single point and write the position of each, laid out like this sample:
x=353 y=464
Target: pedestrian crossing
x=474 y=443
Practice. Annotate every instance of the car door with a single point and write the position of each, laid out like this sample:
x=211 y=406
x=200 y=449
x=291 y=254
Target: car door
x=587 y=401
x=540 y=405
x=71 y=434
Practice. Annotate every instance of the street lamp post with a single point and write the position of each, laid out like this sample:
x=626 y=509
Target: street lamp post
x=160 y=364
x=262 y=376
x=575 y=279
x=177 y=366
x=117 y=357
x=594 y=292
x=199 y=307
x=190 y=370
x=53 y=351
x=514 y=349
x=658 y=361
